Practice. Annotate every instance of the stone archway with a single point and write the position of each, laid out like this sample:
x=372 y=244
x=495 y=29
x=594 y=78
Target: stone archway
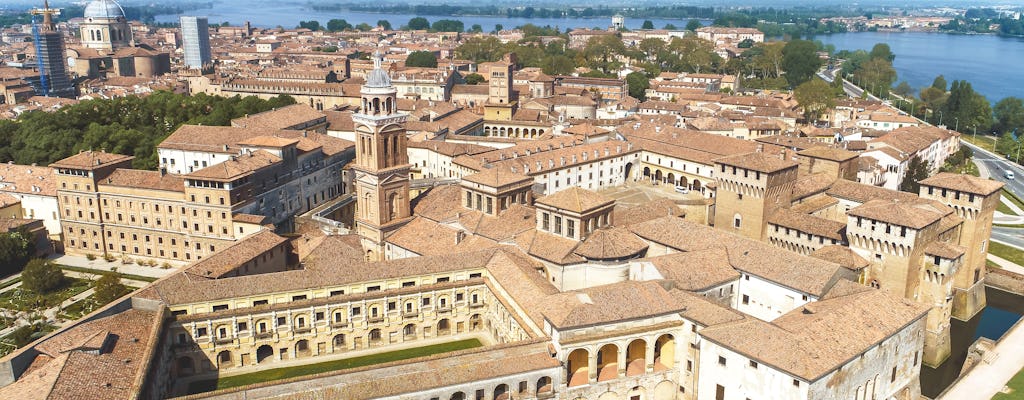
x=263 y=353
x=636 y=358
x=664 y=352
x=607 y=362
x=224 y=360
x=577 y=368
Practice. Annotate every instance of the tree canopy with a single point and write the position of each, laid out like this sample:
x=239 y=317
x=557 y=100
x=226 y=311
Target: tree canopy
x=800 y=61
x=41 y=277
x=418 y=23
x=966 y=108
x=638 y=84
x=108 y=288
x=917 y=171
x=127 y=125
x=815 y=96
x=423 y=59
x=15 y=251
x=447 y=25
x=1009 y=115
x=337 y=25
x=474 y=78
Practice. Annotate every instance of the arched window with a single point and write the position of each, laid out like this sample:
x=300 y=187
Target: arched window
x=737 y=220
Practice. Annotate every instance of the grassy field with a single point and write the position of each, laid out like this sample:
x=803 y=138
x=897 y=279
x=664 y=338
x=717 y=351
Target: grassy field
x=347 y=363
x=1016 y=385
x=1007 y=252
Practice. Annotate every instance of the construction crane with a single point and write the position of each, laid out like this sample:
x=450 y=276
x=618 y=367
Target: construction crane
x=46 y=27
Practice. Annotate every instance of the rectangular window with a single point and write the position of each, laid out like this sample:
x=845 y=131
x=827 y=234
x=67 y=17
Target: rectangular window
x=721 y=361
x=753 y=364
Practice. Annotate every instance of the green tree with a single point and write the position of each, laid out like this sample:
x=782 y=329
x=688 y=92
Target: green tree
x=876 y=75
x=15 y=251
x=647 y=24
x=498 y=28
x=815 y=96
x=481 y=49
x=671 y=27
x=904 y=90
x=940 y=83
x=474 y=78
x=311 y=25
x=916 y=172
x=476 y=28
x=108 y=288
x=1009 y=115
x=41 y=277
x=693 y=24
x=364 y=27
x=601 y=51
x=338 y=25
x=424 y=59
x=448 y=25
x=800 y=61
x=638 y=84
x=691 y=54
x=418 y=24
x=966 y=109
x=745 y=44
x=384 y=24
x=558 y=65
x=882 y=51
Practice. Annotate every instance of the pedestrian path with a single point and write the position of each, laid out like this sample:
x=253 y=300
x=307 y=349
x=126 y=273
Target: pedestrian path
x=989 y=376
x=101 y=265
x=1006 y=264
x=1013 y=206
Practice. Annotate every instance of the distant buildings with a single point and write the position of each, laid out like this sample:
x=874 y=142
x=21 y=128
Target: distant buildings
x=195 y=40
x=105 y=27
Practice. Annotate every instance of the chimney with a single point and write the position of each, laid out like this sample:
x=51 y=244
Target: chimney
x=459 y=236
x=760 y=148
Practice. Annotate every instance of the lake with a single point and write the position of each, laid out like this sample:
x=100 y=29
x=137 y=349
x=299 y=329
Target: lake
x=269 y=14
x=992 y=64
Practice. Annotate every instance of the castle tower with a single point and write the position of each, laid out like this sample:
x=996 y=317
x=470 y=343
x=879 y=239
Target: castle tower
x=750 y=188
x=105 y=27
x=500 y=106
x=903 y=242
x=975 y=200
x=382 y=163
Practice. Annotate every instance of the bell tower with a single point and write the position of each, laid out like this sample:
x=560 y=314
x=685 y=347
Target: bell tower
x=382 y=163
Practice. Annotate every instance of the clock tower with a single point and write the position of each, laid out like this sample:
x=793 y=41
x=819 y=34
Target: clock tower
x=382 y=163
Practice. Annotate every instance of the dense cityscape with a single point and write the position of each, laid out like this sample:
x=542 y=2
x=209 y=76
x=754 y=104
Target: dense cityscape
x=651 y=202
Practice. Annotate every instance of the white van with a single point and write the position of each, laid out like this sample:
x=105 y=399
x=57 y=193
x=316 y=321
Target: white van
x=1008 y=174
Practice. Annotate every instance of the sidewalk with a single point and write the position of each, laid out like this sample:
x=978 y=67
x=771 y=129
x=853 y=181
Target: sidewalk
x=1006 y=264
x=101 y=265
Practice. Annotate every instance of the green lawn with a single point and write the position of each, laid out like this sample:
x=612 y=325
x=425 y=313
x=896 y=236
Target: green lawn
x=23 y=300
x=355 y=362
x=1016 y=385
x=1013 y=198
x=1007 y=252
x=1005 y=209
x=984 y=141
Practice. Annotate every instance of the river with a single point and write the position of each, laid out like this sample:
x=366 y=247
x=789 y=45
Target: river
x=991 y=63
x=269 y=14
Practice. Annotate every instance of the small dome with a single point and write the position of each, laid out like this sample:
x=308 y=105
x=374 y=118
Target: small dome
x=103 y=9
x=378 y=78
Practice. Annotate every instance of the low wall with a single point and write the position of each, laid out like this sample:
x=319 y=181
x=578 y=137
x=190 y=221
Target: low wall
x=1005 y=280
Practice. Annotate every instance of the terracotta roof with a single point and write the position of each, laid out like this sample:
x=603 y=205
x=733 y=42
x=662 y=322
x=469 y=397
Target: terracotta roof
x=757 y=162
x=808 y=224
x=911 y=215
x=611 y=244
x=963 y=183
x=702 y=311
x=698 y=270
x=802 y=273
x=945 y=250
x=28 y=179
x=627 y=300
x=280 y=118
x=862 y=193
x=575 y=199
x=822 y=336
x=230 y=258
x=497 y=178
x=268 y=141
x=656 y=208
x=137 y=178
x=841 y=255
x=829 y=153
x=91 y=160
x=215 y=139
x=438 y=203
x=236 y=167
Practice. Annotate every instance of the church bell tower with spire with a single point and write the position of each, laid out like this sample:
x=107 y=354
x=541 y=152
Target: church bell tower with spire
x=382 y=163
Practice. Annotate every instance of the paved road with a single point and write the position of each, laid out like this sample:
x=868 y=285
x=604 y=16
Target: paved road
x=996 y=165
x=1011 y=236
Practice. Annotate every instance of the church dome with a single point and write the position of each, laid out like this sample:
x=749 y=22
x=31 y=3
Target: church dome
x=378 y=78
x=103 y=9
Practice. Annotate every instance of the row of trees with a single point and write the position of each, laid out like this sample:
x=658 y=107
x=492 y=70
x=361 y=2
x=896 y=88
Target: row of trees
x=129 y=125
x=417 y=23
